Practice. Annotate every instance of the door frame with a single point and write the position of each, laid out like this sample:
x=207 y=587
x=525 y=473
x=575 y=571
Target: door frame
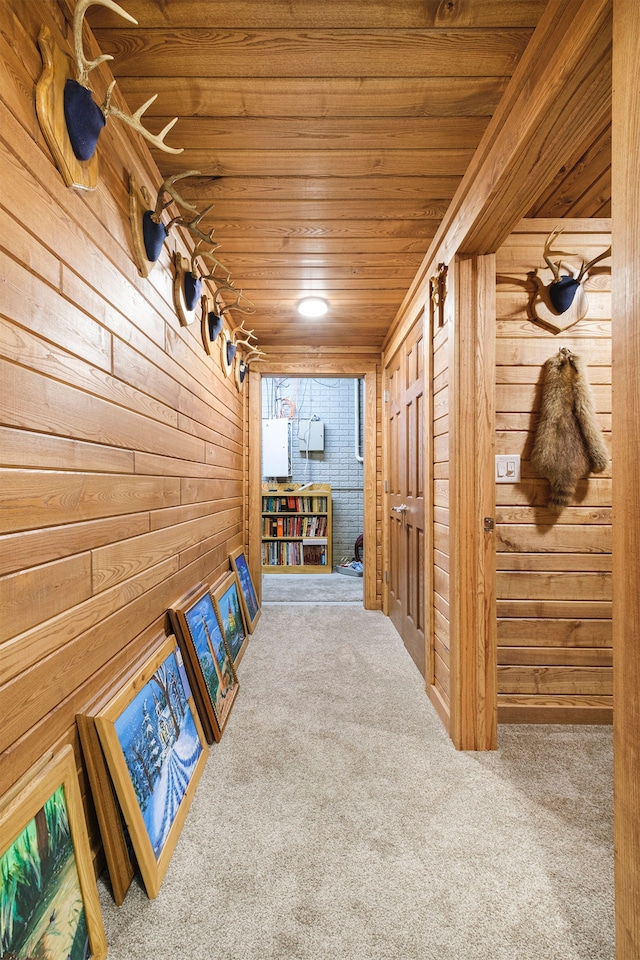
x=329 y=366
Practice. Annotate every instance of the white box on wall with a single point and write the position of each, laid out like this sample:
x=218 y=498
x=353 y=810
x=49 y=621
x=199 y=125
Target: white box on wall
x=310 y=436
x=276 y=448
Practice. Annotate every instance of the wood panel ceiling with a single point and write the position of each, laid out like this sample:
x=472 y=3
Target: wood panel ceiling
x=330 y=136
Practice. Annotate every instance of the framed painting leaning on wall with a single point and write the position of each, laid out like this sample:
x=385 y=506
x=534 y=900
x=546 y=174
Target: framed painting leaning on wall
x=156 y=751
x=226 y=599
x=207 y=659
x=49 y=904
x=248 y=596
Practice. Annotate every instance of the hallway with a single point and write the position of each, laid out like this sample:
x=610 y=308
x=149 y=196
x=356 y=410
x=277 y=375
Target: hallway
x=335 y=819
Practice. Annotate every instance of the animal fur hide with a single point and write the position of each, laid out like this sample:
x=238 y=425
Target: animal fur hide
x=568 y=443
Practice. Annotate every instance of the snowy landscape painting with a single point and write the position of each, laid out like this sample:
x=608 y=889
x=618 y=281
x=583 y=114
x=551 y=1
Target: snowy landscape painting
x=161 y=748
x=155 y=750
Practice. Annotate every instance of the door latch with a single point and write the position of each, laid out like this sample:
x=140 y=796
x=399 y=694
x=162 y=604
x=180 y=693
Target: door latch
x=489 y=524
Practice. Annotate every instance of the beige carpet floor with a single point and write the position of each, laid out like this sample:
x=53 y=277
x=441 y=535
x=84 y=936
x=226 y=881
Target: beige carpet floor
x=316 y=587
x=335 y=820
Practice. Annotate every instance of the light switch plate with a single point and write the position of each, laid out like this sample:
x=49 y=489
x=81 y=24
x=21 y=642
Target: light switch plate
x=508 y=468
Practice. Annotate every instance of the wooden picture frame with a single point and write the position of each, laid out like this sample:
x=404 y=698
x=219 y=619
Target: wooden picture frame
x=116 y=841
x=207 y=659
x=44 y=849
x=226 y=599
x=149 y=728
x=248 y=597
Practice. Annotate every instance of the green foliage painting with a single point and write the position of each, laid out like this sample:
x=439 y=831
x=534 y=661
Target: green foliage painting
x=41 y=907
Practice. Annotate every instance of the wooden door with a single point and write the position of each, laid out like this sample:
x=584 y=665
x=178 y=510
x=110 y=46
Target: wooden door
x=405 y=500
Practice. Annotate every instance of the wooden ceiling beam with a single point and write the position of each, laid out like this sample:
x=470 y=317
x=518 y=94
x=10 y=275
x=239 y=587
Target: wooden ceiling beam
x=559 y=92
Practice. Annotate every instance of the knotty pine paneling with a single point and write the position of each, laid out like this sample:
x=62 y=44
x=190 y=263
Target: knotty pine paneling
x=553 y=571
x=122 y=444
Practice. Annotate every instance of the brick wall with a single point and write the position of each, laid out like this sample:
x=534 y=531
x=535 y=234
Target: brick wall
x=333 y=402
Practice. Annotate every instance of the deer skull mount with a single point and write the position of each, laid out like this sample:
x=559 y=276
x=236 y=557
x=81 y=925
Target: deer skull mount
x=147 y=227
x=84 y=118
x=560 y=303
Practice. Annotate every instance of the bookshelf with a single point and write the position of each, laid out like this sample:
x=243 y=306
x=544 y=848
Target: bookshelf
x=296 y=528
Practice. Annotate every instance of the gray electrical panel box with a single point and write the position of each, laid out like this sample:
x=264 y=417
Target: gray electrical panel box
x=310 y=436
x=276 y=448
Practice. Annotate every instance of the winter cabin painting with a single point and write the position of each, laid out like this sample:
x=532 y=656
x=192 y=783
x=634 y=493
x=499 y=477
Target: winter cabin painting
x=161 y=747
x=155 y=749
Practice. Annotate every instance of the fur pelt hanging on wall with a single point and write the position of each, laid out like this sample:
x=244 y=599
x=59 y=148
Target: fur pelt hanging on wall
x=568 y=443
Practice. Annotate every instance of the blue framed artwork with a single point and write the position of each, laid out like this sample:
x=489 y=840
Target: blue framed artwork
x=207 y=658
x=226 y=599
x=248 y=596
x=155 y=749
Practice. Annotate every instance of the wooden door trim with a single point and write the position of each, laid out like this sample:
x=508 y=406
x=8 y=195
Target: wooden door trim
x=626 y=464
x=473 y=602
x=429 y=624
x=319 y=367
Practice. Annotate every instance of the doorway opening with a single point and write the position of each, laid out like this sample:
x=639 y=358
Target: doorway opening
x=312 y=503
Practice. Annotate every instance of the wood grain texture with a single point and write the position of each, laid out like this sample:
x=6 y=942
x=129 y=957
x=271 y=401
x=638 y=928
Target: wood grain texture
x=328 y=124
x=626 y=555
x=550 y=567
x=121 y=442
x=473 y=590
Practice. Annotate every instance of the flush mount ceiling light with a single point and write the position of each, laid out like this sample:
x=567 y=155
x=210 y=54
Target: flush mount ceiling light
x=313 y=307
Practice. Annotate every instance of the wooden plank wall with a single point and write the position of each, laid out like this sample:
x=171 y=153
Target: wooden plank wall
x=553 y=574
x=121 y=442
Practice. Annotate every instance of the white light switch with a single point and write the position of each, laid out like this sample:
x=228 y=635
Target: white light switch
x=508 y=468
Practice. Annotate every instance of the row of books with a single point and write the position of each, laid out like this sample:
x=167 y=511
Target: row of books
x=294 y=554
x=294 y=526
x=294 y=504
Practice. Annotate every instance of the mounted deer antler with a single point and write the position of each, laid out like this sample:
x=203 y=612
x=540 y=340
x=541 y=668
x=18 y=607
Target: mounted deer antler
x=84 y=66
x=254 y=356
x=207 y=256
x=562 y=302
x=228 y=285
x=246 y=340
x=555 y=266
x=587 y=266
x=85 y=119
x=134 y=119
x=154 y=231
